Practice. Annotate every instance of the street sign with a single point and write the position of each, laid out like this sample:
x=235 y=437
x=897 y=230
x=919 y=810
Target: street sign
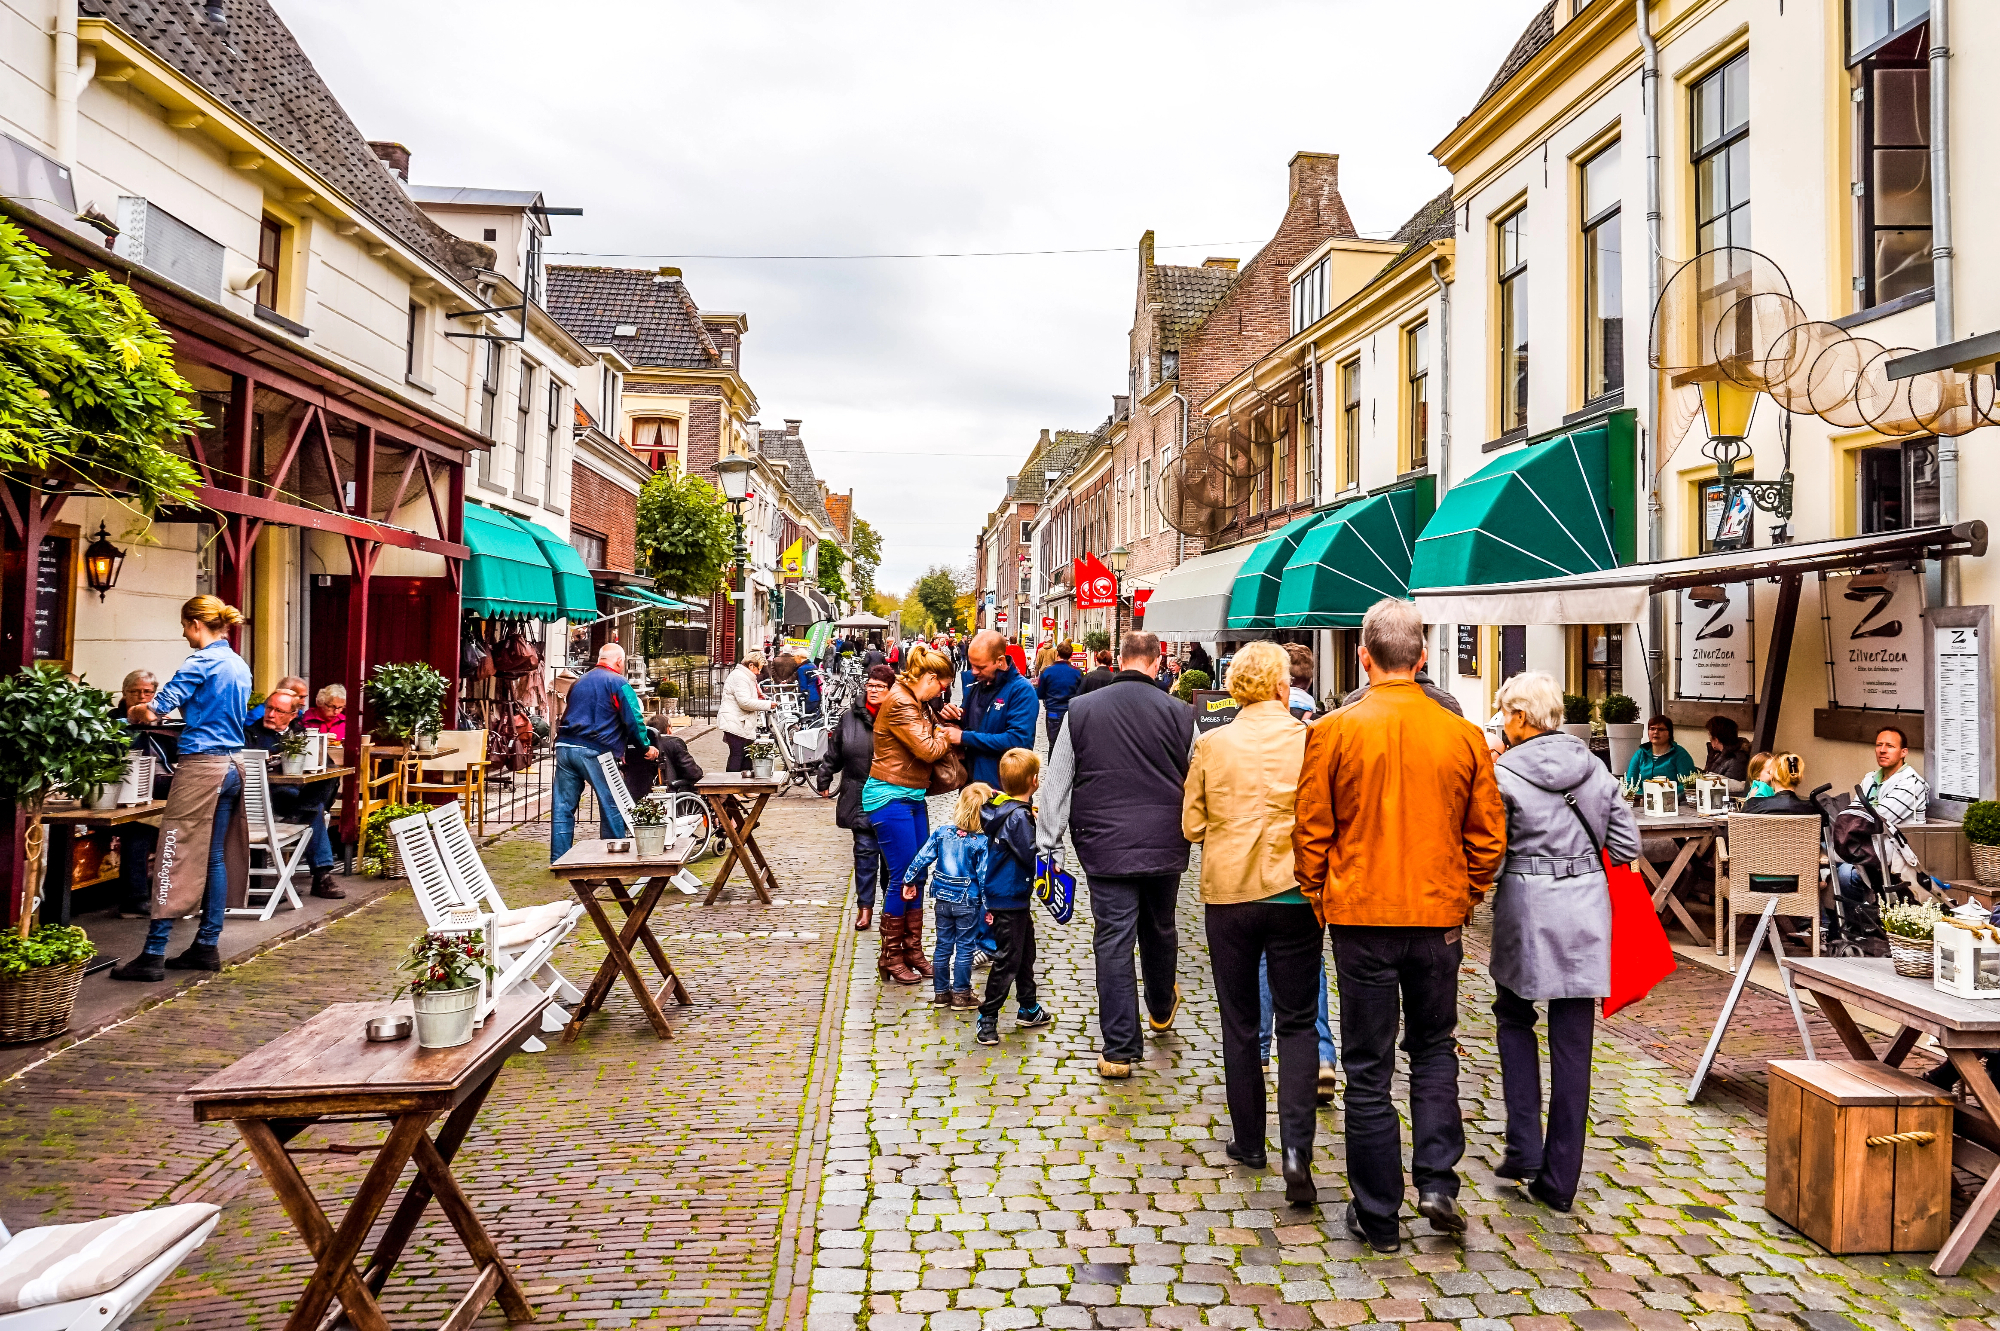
x=1048 y=621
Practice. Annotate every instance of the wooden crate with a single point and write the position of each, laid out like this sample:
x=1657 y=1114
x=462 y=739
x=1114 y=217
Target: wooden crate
x=1822 y=1177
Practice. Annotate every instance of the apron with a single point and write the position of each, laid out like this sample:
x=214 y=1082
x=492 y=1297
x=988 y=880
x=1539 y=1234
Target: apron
x=180 y=865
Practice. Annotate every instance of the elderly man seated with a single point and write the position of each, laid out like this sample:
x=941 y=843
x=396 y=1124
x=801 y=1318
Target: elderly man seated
x=297 y=803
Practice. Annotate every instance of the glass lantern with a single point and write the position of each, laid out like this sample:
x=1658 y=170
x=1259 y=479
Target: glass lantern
x=1966 y=958
x=1663 y=797
x=1711 y=796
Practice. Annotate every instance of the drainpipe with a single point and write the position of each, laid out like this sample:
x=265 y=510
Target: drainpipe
x=68 y=82
x=1943 y=302
x=1649 y=99
x=1442 y=472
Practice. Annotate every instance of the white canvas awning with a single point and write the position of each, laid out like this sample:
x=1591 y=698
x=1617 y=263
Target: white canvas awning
x=1192 y=601
x=1618 y=595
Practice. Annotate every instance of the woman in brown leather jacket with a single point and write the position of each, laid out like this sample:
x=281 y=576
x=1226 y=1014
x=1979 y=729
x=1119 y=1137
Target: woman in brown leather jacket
x=909 y=741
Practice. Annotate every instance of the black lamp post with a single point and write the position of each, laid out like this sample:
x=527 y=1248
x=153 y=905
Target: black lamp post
x=102 y=562
x=1118 y=559
x=734 y=473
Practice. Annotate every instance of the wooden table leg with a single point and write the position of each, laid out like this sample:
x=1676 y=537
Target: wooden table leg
x=618 y=942
x=1971 y=1227
x=1843 y=1024
x=389 y=1250
x=1900 y=1047
x=607 y=970
x=486 y=1257
x=730 y=814
x=1664 y=884
x=762 y=879
x=648 y=899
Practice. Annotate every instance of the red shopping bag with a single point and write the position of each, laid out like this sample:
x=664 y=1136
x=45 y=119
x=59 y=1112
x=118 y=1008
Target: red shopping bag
x=1640 y=954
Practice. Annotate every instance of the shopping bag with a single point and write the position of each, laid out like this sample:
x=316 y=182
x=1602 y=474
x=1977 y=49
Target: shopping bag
x=1640 y=954
x=1054 y=889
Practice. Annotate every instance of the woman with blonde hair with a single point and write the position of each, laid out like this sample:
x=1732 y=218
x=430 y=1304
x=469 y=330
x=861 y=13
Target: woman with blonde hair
x=741 y=713
x=910 y=740
x=204 y=846
x=1239 y=804
x=1782 y=772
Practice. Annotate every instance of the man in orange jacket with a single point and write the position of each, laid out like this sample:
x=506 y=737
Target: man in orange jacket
x=1400 y=831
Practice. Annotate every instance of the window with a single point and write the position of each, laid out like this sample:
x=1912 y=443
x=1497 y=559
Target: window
x=1350 y=424
x=1309 y=297
x=1603 y=272
x=607 y=406
x=270 y=262
x=1417 y=397
x=410 y=340
x=1309 y=441
x=1513 y=321
x=1721 y=107
x=588 y=544
x=524 y=410
x=1891 y=79
x=550 y=451
x=1898 y=486
x=489 y=407
x=1145 y=495
x=1598 y=660
x=1170 y=364
x=657 y=439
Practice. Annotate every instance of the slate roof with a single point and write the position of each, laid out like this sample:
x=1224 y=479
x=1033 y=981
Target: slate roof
x=1188 y=295
x=1433 y=221
x=1541 y=31
x=786 y=447
x=1065 y=447
x=591 y=302
x=258 y=69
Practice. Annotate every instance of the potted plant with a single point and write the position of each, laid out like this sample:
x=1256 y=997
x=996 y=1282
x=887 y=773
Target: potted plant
x=445 y=971
x=1622 y=728
x=378 y=846
x=1982 y=833
x=403 y=698
x=1576 y=716
x=57 y=736
x=762 y=754
x=1909 y=927
x=292 y=746
x=652 y=822
x=1189 y=681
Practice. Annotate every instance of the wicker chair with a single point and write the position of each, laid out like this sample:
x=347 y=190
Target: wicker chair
x=1766 y=843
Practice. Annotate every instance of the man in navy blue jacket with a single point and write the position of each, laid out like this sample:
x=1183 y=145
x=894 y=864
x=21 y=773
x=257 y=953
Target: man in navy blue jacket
x=999 y=710
x=598 y=717
x=1058 y=683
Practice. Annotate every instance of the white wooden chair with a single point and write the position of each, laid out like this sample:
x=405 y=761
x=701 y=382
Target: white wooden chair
x=284 y=844
x=691 y=820
x=621 y=794
x=92 y=1276
x=446 y=911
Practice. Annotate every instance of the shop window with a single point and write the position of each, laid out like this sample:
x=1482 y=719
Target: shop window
x=1721 y=109
x=1417 y=397
x=1597 y=660
x=1309 y=297
x=271 y=238
x=1889 y=43
x=1898 y=486
x=1350 y=424
x=1512 y=236
x=1603 y=273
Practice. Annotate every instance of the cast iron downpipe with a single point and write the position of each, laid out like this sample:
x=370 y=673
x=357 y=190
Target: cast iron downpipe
x=1649 y=101
x=1943 y=302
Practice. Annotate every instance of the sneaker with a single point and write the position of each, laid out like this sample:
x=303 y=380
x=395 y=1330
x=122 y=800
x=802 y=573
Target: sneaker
x=1029 y=1020
x=981 y=958
x=989 y=1031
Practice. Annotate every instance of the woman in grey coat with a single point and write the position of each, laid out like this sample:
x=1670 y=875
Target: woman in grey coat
x=1551 y=929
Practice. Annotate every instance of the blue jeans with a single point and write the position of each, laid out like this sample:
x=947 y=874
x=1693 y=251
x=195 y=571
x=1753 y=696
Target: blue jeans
x=901 y=828
x=957 y=923
x=1329 y=1056
x=215 y=893
x=574 y=767
x=319 y=847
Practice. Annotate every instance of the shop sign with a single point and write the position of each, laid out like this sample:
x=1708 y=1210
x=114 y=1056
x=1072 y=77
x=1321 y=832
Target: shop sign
x=1874 y=639
x=1096 y=589
x=1468 y=649
x=1048 y=621
x=1717 y=643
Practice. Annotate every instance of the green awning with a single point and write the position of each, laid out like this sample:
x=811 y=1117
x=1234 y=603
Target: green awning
x=640 y=596
x=1253 y=596
x=1539 y=512
x=1347 y=561
x=576 y=593
x=506 y=577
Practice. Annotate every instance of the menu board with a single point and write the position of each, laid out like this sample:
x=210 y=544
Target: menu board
x=1958 y=723
x=1212 y=708
x=1874 y=640
x=1468 y=649
x=55 y=582
x=1716 y=645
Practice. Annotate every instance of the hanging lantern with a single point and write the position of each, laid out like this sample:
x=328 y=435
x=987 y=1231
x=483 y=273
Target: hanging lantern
x=101 y=563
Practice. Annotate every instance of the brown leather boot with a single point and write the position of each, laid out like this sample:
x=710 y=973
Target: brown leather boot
x=890 y=964
x=914 y=955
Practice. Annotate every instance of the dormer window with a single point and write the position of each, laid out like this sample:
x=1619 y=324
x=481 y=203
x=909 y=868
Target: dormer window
x=625 y=330
x=1309 y=297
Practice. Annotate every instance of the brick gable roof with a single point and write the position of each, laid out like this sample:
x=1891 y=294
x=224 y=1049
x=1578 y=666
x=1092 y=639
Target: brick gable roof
x=592 y=302
x=258 y=69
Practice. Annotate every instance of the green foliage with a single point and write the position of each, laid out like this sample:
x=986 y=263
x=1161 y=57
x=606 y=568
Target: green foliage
x=1982 y=822
x=650 y=812
x=1576 y=710
x=762 y=748
x=1906 y=919
x=57 y=736
x=1619 y=710
x=438 y=962
x=867 y=557
x=685 y=535
x=87 y=380
x=292 y=743
x=375 y=842
x=1189 y=681
x=830 y=580
x=1097 y=641
x=404 y=698
x=50 y=945
x=937 y=592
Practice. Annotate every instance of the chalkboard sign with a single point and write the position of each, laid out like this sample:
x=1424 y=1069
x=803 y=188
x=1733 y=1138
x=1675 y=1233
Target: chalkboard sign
x=1212 y=708
x=1468 y=649
x=55 y=588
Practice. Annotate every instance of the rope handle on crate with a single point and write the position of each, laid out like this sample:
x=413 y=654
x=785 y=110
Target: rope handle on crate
x=1903 y=1138
x=1984 y=932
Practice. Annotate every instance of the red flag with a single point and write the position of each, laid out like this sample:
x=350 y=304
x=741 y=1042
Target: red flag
x=1096 y=589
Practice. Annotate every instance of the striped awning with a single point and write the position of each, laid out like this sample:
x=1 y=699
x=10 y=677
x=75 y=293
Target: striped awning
x=1543 y=511
x=1349 y=559
x=1253 y=597
x=507 y=576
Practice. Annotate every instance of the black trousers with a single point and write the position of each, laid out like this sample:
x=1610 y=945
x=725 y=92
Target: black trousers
x=1288 y=935
x=1013 y=965
x=1127 y=910
x=869 y=867
x=1381 y=970
x=739 y=758
x=1558 y=1157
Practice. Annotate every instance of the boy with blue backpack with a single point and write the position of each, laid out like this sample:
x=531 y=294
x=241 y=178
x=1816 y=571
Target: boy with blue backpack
x=1008 y=819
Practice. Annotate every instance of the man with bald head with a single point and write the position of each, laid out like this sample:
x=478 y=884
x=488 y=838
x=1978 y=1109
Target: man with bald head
x=1000 y=707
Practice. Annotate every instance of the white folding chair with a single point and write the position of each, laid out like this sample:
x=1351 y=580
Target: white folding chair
x=446 y=911
x=92 y=1276
x=523 y=940
x=284 y=843
x=621 y=794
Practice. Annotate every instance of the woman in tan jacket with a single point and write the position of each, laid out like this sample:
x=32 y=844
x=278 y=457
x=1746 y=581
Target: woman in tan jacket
x=909 y=742
x=1239 y=805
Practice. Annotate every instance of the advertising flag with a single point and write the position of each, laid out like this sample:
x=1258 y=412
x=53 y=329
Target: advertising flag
x=1096 y=589
x=794 y=562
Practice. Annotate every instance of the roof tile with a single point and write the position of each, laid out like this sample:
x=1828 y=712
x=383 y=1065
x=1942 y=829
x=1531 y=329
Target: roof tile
x=593 y=303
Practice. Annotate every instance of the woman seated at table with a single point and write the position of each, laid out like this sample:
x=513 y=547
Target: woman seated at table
x=328 y=713
x=1780 y=776
x=1659 y=756
x=1728 y=751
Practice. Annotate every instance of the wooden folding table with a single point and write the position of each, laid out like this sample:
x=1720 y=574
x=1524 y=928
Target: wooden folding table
x=1966 y=1029
x=1693 y=835
x=590 y=868
x=327 y=1068
x=726 y=795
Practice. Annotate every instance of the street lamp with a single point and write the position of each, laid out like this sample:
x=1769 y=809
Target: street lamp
x=734 y=473
x=1727 y=408
x=101 y=563
x=1118 y=560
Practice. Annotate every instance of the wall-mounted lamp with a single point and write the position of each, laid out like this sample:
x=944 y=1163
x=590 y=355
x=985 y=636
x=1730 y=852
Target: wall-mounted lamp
x=102 y=562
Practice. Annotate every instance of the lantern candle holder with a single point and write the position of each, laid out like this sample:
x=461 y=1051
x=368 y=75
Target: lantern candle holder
x=1965 y=958
x=1663 y=797
x=1711 y=796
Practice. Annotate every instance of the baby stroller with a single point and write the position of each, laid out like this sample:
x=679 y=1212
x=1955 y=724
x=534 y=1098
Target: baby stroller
x=800 y=737
x=1873 y=867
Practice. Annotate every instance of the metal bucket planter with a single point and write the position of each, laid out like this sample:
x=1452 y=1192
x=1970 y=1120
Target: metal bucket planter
x=761 y=768
x=650 y=842
x=293 y=764
x=445 y=1016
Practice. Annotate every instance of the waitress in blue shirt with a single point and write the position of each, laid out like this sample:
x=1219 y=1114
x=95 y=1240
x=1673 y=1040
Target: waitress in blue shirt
x=204 y=847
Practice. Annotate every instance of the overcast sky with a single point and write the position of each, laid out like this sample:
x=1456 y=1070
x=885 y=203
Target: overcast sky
x=782 y=128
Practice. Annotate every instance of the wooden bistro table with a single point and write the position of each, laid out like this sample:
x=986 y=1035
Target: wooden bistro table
x=726 y=794
x=1966 y=1029
x=309 y=778
x=590 y=870
x=327 y=1069
x=1694 y=835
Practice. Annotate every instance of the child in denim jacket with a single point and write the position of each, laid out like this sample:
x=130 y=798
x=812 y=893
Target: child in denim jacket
x=960 y=853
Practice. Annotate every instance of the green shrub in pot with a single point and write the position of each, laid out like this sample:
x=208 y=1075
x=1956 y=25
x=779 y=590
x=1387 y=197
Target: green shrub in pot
x=1982 y=822
x=1576 y=710
x=1189 y=681
x=1619 y=710
x=405 y=697
x=50 y=945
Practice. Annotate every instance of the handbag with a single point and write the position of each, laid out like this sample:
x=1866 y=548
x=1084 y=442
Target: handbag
x=475 y=662
x=1055 y=889
x=948 y=774
x=516 y=655
x=1640 y=955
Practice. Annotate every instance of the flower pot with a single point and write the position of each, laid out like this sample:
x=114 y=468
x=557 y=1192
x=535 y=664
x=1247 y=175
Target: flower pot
x=1912 y=957
x=1625 y=741
x=650 y=842
x=444 y=1016
x=426 y=745
x=293 y=764
x=1986 y=865
x=1581 y=731
x=35 y=1004
x=761 y=768
x=102 y=797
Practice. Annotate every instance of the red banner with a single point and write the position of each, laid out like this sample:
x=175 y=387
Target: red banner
x=1096 y=589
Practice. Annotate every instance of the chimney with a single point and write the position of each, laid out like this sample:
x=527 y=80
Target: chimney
x=1120 y=406
x=792 y=427
x=1319 y=172
x=1145 y=251
x=1213 y=262
x=396 y=156
x=1044 y=442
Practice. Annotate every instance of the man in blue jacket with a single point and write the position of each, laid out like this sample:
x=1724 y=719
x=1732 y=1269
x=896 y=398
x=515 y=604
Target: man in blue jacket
x=1057 y=684
x=599 y=716
x=999 y=709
